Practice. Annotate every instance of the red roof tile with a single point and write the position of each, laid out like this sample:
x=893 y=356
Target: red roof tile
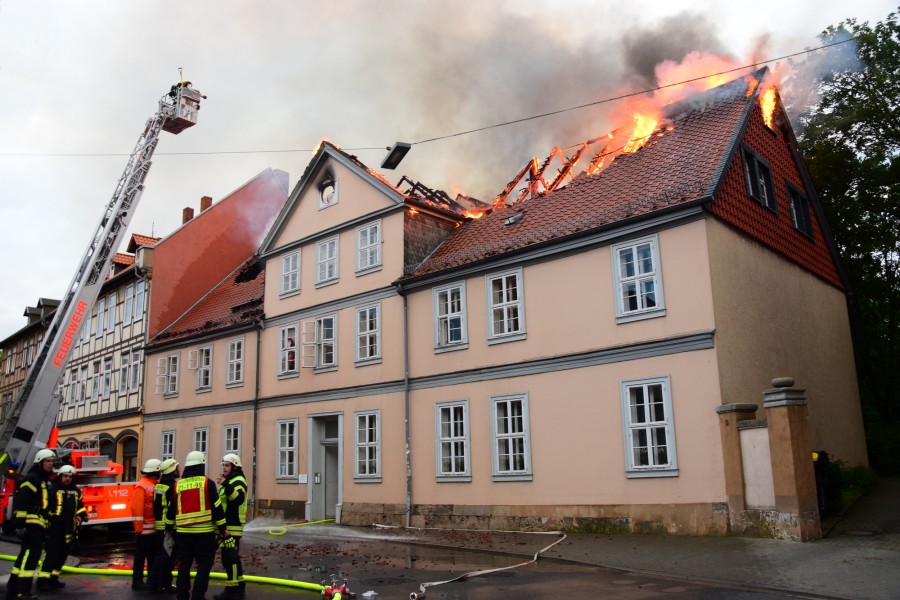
x=238 y=300
x=138 y=240
x=123 y=259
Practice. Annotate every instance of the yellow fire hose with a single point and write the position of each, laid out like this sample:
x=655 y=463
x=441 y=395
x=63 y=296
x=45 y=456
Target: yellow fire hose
x=251 y=578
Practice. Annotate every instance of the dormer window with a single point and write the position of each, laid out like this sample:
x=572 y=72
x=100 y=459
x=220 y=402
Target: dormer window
x=327 y=191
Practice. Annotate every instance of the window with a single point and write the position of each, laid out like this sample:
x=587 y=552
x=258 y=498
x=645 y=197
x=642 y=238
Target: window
x=86 y=328
x=167 y=449
x=232 y=437
x=123 y=373
x=129 y=304
x=95 y=381
x=327 y=191
x=368 y=247
x=453 y=441
x=135 y=382
x=286 y=451
x=111 y=312
x=73 y=387
x=139 y=301
x=368 y=445
x=327 y=261
x=107 y=376
x=800 y=211
x=506 y=306
x=758 y=176
x=368 y=333
x=101 y=315
x=82 y=385
x=201 y=440
x=287 y=363
x=320 y=343
x=638 y=279
x=290 y=272
x=235 y=373
x=167 y=375
x=450 y=316
x=649 y=430
x=511 y=443
x=202 y=359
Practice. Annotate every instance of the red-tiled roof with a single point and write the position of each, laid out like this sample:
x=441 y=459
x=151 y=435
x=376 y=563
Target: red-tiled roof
x=138 y=240
x=691 y=157
x=238 y=300
x=123 y=259
x=675 y=166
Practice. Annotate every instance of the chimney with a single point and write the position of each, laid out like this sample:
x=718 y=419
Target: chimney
x=187 y=214
x=205 y=202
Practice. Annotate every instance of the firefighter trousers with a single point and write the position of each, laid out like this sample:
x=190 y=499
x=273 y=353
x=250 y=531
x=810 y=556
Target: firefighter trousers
x=231 y=562
x=57 y=550
x=145 y=550
x=22 y=574
x=160 y=578
x=190 y=547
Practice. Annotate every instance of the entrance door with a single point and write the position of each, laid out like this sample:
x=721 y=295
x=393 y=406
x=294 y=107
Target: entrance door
x=325 y=467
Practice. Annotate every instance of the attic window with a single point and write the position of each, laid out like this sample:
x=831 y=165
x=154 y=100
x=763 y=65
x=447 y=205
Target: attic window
x=327 y=191
x=513 y=219
x=800 y=211
x=758 y=176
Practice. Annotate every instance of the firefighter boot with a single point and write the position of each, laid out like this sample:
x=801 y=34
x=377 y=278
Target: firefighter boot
x=43 y=584
x=55 y=583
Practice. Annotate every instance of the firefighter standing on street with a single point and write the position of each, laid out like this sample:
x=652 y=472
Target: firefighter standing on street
x=160 y=579
x=147 y=543
x=195 y=514
x=33 y=505
x=68 y=513
x=233 y=495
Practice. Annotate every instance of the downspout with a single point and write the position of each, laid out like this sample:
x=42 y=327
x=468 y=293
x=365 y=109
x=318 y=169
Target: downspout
x=259 y=326
x=406 y=402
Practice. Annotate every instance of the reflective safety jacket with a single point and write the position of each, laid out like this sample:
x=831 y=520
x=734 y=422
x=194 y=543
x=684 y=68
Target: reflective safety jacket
x=161 y=498
x=233 y=495
x=196 y=506
x=142 y=506
x=67 y=504
x=33 y=502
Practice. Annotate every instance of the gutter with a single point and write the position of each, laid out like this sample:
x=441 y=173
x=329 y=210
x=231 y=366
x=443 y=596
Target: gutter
x=408 y=511
x=259 y=325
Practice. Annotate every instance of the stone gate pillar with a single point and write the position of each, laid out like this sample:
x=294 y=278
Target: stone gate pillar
x=793 y=477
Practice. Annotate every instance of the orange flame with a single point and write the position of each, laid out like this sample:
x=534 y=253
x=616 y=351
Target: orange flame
x=644 y=126
x=767 y=104
x=474 y=214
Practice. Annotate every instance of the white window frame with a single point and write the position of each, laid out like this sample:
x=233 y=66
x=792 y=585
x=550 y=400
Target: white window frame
x=286 y=454
x=368 y=333
x=96 y=372
x=801 y=218
x=507 y=309
x=287 y=350
x=200 y=360
x=128 y=315
x=167 y=375
x=444 y=315
x=625 y=283
x=123 y=372
x=367 y=445
x=111 y=301
x=328 y=178
x=290 y=273
x=327 y=257
x=82 y=384
x=231 y=439
x=759 y=179
x=101 y=316
x=200 y=440
x=368 y=247
x=107 y=376
x=234 y=374
x=167 y=444
x=320 y=351
x=632 y=427
x=139 y=300
x=449 y=442
x=135 y=364
x=510 y=435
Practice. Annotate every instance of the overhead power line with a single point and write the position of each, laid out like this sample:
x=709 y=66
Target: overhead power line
x=468 y=131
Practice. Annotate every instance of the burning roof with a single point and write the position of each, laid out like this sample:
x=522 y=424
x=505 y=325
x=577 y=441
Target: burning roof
x=677 y=161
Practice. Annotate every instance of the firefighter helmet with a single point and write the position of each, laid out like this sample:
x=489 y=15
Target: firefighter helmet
x=195 y=458
x=168 y=466
x=44 y=455
x=151 y=466
x=67 y=470
x=232 y=459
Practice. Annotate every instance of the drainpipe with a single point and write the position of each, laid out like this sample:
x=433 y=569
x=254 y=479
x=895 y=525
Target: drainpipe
x=259 y=326
x=406 y=401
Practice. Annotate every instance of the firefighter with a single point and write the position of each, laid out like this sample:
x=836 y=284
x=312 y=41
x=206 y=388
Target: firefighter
x=147 y=541
x=233 y=495
x=160 y=579
x=68 y=513
x=33 y=506
x=195 y=514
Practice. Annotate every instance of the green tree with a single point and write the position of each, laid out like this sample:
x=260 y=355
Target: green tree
x=851 y=142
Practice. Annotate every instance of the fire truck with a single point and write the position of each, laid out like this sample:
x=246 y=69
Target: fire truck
x=30 y=422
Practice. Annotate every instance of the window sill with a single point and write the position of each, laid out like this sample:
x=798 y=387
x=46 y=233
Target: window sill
x=234 y=384
x=289 y=375
x=368 y=361
x=512 y=477
x=283 y=295
x=514 y=337
x=203 y=390
x=367 y=479
x=321 y=284
x=454 y=478
x=367 y=270
x=640 y=316
x=287 y=480
x=451 y=348
x=651 y=473
x=327 y=369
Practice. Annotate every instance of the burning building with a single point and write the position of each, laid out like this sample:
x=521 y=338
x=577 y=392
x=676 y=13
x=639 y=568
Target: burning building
x=596 y=351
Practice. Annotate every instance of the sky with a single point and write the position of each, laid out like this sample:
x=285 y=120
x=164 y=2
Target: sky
x=78 y=81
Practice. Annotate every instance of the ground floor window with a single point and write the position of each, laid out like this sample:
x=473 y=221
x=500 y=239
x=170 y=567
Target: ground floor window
x=649 y=428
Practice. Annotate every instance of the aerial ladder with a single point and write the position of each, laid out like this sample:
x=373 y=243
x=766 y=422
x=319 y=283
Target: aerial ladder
x=32 y=416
